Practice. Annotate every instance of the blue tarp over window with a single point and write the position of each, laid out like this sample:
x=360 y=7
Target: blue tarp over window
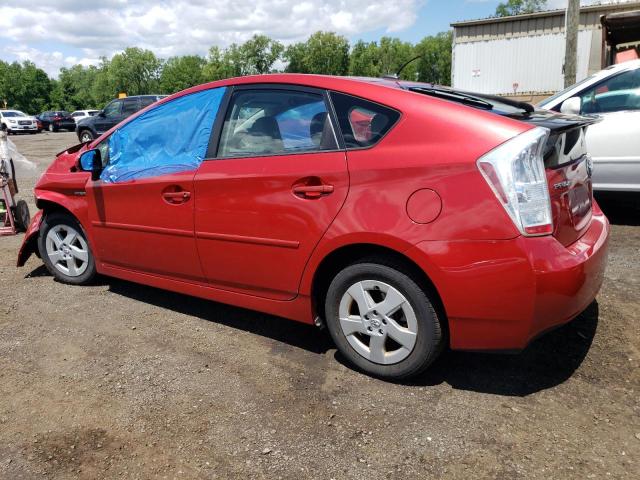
x=170 y=138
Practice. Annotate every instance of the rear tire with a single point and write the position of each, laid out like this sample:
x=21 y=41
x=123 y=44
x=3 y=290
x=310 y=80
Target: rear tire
x=52 y=128
x=65 y=250
x=398 y=336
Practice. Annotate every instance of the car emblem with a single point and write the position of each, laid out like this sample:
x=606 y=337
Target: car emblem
x=589 y=166
x=561 y=185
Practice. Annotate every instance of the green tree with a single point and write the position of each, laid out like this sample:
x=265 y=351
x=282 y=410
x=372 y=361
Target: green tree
x=434 y=65
x=517 y=7
x=24 y=87
x=296 y=57
x=364 y=60
x=257 y=55
x=217 y=66
x=74 y=88
x=135 y=71
x=393 y=54
x=324 y=52
x=179 y=73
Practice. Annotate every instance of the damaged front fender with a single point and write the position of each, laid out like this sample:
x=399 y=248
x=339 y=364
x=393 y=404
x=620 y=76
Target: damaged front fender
x=30 y=242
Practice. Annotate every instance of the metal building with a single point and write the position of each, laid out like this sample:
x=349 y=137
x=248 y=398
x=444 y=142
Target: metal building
x=523 y=55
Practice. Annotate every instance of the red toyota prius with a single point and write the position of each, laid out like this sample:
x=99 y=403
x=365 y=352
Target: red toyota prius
x=404 y=216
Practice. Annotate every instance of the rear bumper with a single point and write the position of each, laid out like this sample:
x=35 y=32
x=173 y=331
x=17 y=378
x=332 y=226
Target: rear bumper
x=500 y=295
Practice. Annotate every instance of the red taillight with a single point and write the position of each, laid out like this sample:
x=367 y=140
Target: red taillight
x=515 y=172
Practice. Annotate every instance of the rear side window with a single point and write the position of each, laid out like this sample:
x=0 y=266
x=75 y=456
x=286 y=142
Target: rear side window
x=130 y=106
x=276 y=122
x=146 y=101
x=363 y=123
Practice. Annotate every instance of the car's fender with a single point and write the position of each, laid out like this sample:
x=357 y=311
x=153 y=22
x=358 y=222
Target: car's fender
x=30 y=241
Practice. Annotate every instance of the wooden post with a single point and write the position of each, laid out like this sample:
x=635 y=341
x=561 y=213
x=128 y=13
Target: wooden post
x=572 y=21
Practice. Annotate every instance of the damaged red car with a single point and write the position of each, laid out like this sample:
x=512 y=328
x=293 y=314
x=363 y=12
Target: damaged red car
x=404 y=216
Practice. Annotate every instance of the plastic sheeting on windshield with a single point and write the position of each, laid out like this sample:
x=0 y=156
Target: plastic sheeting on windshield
x=170 y=138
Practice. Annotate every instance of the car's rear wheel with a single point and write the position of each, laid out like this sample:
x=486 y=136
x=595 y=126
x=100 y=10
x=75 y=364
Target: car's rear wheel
x=52 y=128
x=382 y=321
x=65 y=250
x=86 y=136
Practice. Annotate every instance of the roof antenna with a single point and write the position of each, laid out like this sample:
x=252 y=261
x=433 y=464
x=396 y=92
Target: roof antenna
x=396 y=76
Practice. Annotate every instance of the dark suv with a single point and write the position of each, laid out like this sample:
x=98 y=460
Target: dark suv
x=115 y=111
x=57 y=120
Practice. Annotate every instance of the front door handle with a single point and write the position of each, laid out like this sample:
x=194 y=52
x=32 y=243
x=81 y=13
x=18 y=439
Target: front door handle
x=176 y=197
x=312 y=191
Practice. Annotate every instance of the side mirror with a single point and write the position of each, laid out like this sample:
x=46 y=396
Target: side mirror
x=91 y=161
x=571 y=106
x=101 y=114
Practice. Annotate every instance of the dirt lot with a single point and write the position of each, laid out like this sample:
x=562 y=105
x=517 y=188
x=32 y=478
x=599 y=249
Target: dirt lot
x=123 y=381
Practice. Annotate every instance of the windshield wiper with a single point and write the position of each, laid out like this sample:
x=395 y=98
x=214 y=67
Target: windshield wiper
x=453 y=96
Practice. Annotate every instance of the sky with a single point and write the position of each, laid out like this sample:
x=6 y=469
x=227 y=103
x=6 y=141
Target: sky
x=62 y=33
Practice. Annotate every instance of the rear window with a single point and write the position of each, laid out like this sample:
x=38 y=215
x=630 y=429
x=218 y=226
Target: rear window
x=363 y=123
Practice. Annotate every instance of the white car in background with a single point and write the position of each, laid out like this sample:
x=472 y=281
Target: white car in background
x=614 y=95
x=80 y=114
x=17 y=121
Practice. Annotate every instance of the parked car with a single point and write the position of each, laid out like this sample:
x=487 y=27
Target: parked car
x=441 y=219
x=80 y=114
x=17 y=121
x=57 y=120
x=115 y=112
x=612 y=94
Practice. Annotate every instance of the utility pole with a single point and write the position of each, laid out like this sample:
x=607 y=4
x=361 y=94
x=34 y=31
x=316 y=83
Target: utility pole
x=572 y=20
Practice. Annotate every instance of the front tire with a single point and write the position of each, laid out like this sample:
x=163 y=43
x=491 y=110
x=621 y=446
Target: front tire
x=86 y=136
x=64 y=248
x=382 y=321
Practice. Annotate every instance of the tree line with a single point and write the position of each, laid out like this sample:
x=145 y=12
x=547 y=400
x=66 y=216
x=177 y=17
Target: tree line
x=135 y=71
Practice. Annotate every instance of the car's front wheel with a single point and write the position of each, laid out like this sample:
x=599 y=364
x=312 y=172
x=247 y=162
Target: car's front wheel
x=52 y=128
x=64 y=248
x=86 y=136
x=382 y=321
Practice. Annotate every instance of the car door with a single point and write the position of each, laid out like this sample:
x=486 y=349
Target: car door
x=141 y=209
x=271 y=187
x=109 y=117
x=614 y=143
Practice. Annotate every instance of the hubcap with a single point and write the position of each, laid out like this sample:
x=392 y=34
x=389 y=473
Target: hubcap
x=378 y=322
x=67 y=250
x=86 y=138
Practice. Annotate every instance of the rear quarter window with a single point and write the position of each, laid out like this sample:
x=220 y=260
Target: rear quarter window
x=362 y=123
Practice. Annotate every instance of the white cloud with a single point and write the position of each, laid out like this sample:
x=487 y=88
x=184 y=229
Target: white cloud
x=178 y=27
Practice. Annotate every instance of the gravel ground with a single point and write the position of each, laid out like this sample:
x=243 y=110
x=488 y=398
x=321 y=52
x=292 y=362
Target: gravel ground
x=119 y=380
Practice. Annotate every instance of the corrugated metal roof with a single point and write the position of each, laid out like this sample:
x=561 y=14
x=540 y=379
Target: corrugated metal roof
x=547 y=13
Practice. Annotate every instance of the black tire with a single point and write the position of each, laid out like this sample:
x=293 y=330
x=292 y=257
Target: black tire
x=86 y=136
x=429 y=337
x=52 y=128
x=56 y=219
x=22 y=216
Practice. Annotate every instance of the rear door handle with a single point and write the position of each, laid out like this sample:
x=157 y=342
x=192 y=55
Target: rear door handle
x=312 y=191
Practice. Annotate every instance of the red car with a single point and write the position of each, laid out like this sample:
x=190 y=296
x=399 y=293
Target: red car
x=403 y=216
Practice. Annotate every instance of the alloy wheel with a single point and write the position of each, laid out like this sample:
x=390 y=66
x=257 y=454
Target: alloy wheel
x=67 y=250
x=378 y=322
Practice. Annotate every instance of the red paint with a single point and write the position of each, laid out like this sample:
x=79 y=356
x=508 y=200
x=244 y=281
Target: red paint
x=252 y=232
x=424 y=206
